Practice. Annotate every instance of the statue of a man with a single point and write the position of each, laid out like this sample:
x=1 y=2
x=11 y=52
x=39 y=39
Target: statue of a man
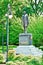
x=25 y=21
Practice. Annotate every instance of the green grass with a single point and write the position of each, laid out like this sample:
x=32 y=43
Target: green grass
x=9 y=47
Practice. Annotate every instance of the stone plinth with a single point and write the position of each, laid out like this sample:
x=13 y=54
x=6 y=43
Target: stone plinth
x=29 y=50
x=25 y=39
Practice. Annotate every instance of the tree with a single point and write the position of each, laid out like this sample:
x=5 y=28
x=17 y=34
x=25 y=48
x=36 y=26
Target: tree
x=37 y=6
x=17 y=7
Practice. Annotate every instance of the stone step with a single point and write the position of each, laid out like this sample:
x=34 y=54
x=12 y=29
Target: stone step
x=29 y=50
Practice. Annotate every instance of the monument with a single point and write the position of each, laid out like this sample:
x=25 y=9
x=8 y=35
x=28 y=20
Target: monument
x=25 y=40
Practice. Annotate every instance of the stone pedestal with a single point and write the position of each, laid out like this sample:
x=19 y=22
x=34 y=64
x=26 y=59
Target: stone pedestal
x=29 y=50
x=25 y=39
x=25 y=46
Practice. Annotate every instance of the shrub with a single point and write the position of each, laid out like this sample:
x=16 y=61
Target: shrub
x=19 y=57
x=11 y=55
x=33 y=62
x=24 y=60
x=10 y=63
x=41 y=47
x=21 y=63
x=16 y=63
x=2 y=60
x=36 y=28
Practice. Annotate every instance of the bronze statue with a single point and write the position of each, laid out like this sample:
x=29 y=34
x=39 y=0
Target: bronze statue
x=25 y=21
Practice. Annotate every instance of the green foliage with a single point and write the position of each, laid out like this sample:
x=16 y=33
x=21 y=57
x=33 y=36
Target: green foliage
x=18 y=7
x=25 y=60
x=21 y=59
x=15 y=28
x=11 y=55
x=37 y=6
x=1 y=58
x=33 y=62
x=35 y=27
x=4 y=48
x=36 y=22
x=41 y=47
x=10 y=63
x=17 y=63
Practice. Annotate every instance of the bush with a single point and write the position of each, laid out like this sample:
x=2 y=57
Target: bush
x=41 y=47
x=17 y=57
x=11 y=55
x=35 y=61
x=2 y=60
x=22 y=57
x=24 y=60
x=10 y=63
x=16 y=63
x=21 y=63
x=36 y=28
x=15 y=29
x=32 y=61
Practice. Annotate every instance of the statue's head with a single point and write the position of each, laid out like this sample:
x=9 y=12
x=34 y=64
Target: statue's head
x=24 y=12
